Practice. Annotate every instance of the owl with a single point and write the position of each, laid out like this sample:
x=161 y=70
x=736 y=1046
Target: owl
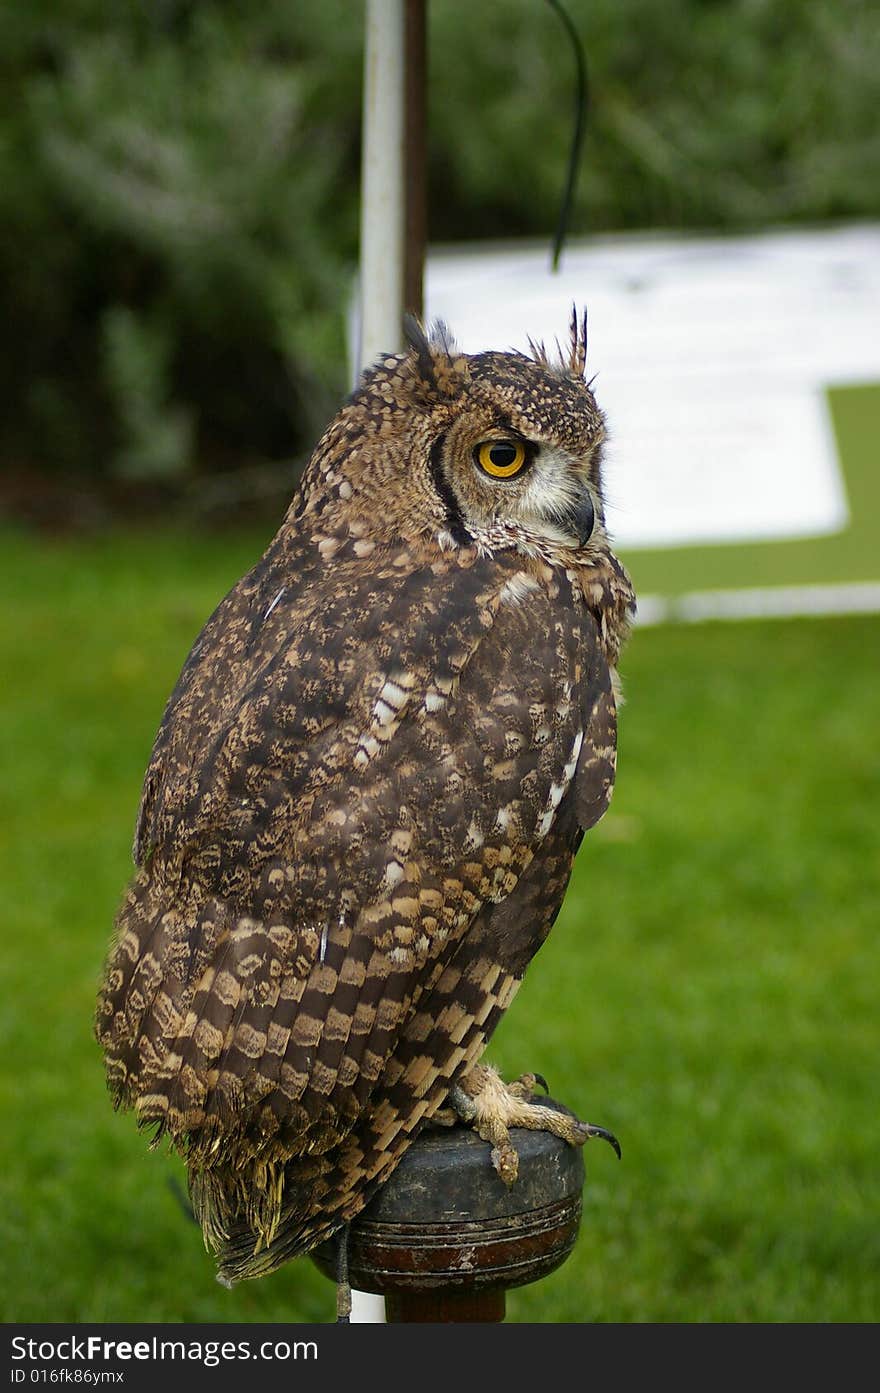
x=363 y=803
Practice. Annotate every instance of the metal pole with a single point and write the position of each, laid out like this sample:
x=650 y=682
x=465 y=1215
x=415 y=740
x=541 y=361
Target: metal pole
x=416 y=91
x=383 y=190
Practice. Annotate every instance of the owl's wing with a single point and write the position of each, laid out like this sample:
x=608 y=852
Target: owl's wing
x=227 y=660
x=399 y=753
x=274 y=708
x=459 y=999
x=460 y=1004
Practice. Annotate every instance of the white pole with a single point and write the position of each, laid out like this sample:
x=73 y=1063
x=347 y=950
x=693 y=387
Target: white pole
x=382 y=250
x=383 y=200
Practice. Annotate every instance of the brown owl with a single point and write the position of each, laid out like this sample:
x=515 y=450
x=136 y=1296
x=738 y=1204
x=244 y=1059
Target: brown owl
x=362 y=807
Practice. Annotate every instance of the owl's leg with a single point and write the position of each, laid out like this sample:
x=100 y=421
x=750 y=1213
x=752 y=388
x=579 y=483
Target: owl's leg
x=491 y=1106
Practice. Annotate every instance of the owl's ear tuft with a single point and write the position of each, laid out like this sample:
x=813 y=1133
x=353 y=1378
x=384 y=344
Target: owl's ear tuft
x=539 y=353
x=439 y=365
x=576 y=364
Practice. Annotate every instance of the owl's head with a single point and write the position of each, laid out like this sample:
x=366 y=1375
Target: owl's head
x=498 y=449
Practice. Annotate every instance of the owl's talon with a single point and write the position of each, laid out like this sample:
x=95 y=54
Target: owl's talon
x=590 y=1131
x=527 y=1085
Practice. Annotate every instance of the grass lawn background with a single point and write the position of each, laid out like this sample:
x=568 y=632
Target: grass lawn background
x=709 y=991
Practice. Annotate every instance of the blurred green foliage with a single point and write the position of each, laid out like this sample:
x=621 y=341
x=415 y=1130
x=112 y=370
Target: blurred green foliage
x=178 y=232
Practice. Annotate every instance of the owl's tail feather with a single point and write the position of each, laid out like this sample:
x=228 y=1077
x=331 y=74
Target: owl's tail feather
x=323 y=1193
x=182 y=1017
x=223 y=1198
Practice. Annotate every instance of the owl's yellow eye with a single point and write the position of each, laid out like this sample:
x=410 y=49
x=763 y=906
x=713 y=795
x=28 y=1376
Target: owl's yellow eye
x=501 y=459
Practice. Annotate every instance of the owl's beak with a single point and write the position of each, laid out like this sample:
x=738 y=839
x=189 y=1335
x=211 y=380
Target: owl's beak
x=580 y=517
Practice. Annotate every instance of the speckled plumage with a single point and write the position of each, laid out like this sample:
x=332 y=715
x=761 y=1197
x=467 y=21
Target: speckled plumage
x=361 y=810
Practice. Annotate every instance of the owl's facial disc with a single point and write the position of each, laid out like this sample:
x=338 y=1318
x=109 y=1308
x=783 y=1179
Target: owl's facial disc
x=540 y=487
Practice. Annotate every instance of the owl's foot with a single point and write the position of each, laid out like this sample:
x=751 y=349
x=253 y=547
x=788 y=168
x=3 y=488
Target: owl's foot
x=492 y=1107
x=461 y=1104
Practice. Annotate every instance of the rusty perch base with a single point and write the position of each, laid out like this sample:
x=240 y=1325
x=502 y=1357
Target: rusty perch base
x=444 y=1238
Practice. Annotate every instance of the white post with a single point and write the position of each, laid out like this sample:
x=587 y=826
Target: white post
x=383 y=204
x=383 y=198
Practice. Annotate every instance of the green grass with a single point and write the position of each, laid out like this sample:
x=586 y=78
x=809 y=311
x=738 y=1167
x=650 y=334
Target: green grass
x=709 y=991
x=850 y=555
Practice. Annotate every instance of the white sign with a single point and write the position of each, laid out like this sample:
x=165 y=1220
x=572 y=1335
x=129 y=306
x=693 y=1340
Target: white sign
x=710 y=355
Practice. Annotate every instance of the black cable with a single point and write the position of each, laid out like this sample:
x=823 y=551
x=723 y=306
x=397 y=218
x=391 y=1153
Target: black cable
x=582 y=101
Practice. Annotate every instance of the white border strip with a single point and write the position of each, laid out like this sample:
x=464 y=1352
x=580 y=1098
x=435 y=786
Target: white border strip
x=777 y=602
